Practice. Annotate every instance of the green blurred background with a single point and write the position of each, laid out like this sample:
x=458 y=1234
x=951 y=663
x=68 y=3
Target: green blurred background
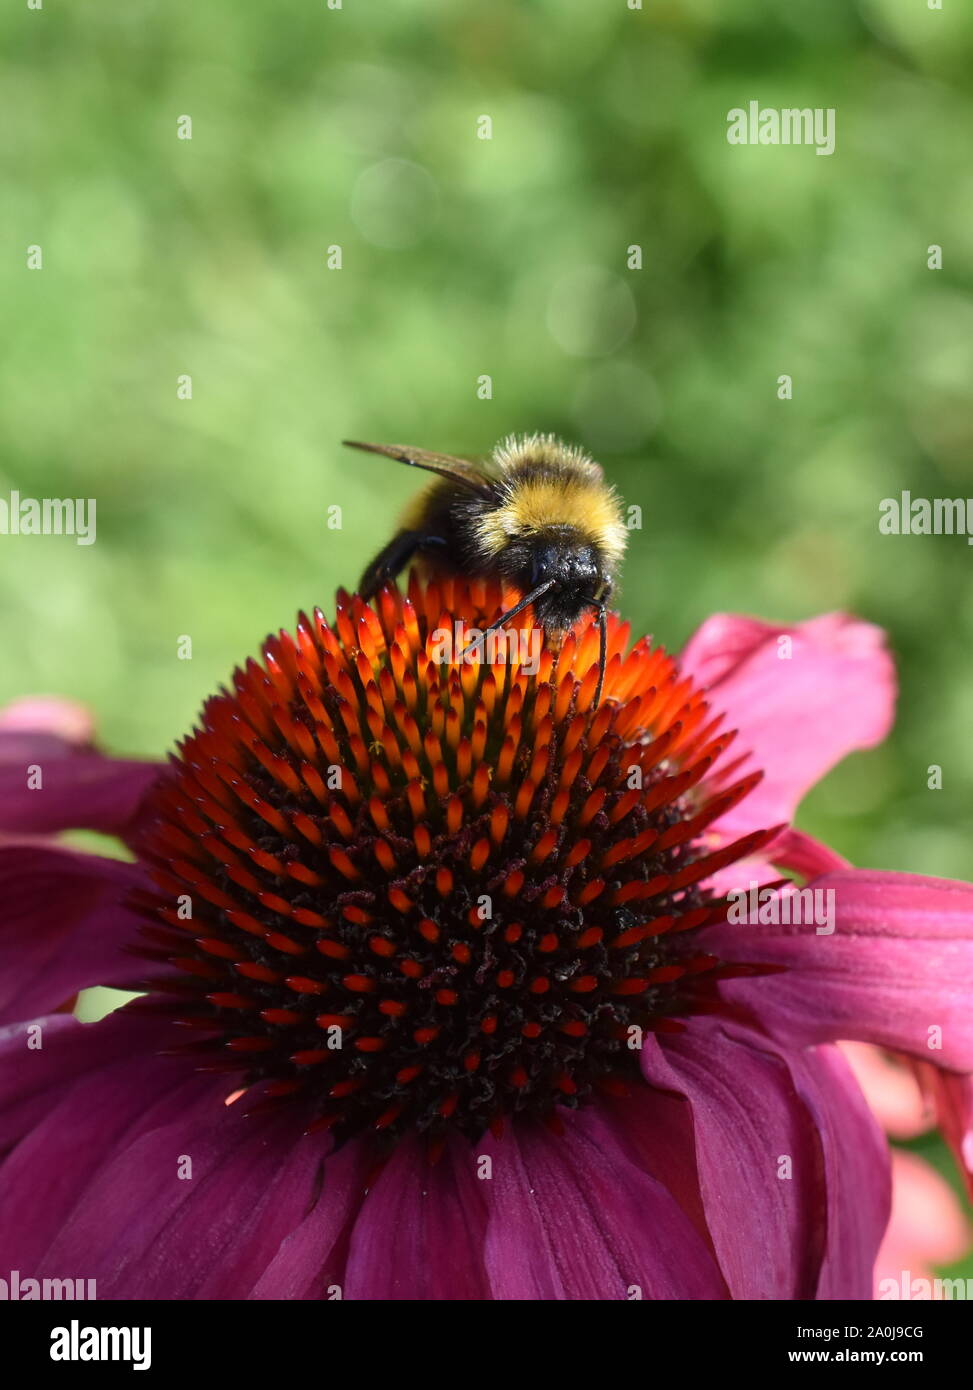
x=463 y=257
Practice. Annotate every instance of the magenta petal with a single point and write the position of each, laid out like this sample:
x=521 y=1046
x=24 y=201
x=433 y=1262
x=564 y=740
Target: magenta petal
x=576 y=1217
x=857 y=1171
x=65 y=1108
x=261 y=1176
x=768 y=1230
x=63 y=927
x=98 y=1124
x=420 y=1232
x=897 y=970
x=804 y=856
x=101 y=1185
x=798 y=715
x=146 y=1233
x=655 y=1130
x=34 y=1077
x=310 y=1262
x=79 y=787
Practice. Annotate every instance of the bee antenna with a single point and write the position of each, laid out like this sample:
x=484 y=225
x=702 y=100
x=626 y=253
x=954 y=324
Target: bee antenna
x=510 y=613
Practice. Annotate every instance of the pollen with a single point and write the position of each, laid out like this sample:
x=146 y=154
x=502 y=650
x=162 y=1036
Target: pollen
x=409 y=896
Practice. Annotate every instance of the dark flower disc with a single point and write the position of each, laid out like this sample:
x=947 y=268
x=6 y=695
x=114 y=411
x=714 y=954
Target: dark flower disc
x=411 y=894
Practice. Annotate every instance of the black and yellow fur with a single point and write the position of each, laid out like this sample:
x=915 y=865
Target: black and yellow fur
x=538 y=516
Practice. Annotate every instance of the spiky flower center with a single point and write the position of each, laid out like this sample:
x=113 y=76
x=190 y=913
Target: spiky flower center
x=414 y=894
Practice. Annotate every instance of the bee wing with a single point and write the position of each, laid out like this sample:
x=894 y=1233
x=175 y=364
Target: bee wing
x=460 y=470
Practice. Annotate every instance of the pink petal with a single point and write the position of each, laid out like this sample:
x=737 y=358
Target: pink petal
x=50 y=714
x=804 y=856
x=891 y=1089
x=34 y=1077
x=655 y=1130
x=898 y=966
x=420 y=1231
x=577 y=1217
x=80 y=788
x=927 y=1226
x=857 y=1177
x=799 y=716
x=95 y=1184
x=64 y=1108
x=951 y=1094
x=63 y=928
x=310 y=1261
x=775 y=1236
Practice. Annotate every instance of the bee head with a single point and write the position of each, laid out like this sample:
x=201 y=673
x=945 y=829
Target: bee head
x=561 y=556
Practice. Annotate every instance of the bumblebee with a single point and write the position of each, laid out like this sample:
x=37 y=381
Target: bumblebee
x=538 y=515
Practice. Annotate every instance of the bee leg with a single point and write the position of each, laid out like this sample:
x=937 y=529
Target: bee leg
x=602 y=650
x=393 y=558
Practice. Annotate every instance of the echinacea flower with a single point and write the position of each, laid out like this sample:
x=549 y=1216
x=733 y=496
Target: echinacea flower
x=462 y=1012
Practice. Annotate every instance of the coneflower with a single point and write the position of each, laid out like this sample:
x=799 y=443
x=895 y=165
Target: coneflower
x=467 y=1015
x=418 y=897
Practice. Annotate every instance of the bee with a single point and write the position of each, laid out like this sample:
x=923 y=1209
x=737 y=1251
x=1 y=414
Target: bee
x=537 y=515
